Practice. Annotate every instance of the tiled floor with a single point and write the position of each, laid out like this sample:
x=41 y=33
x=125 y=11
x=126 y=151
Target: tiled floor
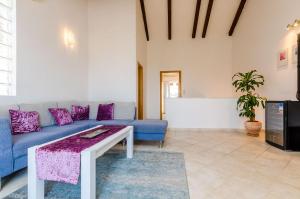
x=225 y=164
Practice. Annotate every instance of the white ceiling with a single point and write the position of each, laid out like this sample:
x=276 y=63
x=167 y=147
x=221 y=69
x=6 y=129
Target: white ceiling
x=183 y=12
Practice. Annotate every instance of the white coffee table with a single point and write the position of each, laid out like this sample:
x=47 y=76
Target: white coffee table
x=36 y=186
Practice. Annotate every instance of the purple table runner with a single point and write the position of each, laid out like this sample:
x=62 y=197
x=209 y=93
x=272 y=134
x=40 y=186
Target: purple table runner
x=60 y=161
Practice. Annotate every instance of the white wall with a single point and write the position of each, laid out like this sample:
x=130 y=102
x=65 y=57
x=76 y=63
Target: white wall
x=206 y=64
x=258 y=38
x=112 y=50
x=46 y=70
x=202 y=113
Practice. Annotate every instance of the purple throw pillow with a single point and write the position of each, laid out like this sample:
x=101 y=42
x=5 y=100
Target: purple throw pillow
x=80 y=112
x=24 y=122
x=61 y=116
x=105 y=112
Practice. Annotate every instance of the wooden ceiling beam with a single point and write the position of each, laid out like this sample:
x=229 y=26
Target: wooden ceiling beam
x=197 y=12
x=145 y=19
x=237 y=17
x=208 y=12
x=169 y=19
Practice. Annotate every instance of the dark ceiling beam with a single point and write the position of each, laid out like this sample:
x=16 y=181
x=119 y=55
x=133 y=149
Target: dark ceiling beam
x=169 y=19
x=198 y=5
x=208 y=12
x=145 y=19
x=237 y=17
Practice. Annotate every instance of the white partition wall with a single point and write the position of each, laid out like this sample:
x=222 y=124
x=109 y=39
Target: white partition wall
x=202 y=113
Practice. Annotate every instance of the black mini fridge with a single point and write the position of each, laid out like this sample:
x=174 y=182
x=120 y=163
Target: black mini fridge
x=283 y=124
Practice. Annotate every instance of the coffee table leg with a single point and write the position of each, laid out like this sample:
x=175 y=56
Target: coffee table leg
x=36 y=187
x=129 y=140
x=88 y=176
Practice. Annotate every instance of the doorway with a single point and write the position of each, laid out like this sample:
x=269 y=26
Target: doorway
x=170 y=87
x=140 y=92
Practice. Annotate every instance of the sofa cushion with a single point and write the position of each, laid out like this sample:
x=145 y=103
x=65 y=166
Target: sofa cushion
x=93 y=107
x=22 y=142
x=4 y=110
x=79 y=113
x=42 y=108
x=149 y=136
x=105 y=112
x=89 y=123
x=150 y=126
x=124 y=111
x=24 y=122
x=61 y=116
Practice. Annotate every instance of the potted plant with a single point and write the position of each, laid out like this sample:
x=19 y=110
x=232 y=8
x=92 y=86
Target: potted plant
x=246 y=84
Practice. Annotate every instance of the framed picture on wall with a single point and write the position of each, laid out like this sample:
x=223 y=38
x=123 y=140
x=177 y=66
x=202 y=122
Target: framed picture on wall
x=283 y=59
x=295 y=54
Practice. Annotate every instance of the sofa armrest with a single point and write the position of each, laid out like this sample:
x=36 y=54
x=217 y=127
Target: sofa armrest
x=6 y=143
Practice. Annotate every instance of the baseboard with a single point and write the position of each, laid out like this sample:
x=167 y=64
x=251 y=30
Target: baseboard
x=209 y=129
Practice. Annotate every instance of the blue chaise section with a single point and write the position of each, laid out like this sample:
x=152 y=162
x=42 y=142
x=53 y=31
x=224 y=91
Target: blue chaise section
x=151 y=130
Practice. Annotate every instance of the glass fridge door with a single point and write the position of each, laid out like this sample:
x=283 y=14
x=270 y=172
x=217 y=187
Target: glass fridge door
x=275 y=122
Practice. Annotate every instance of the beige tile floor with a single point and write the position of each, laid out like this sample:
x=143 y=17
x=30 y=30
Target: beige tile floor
x=224 y=164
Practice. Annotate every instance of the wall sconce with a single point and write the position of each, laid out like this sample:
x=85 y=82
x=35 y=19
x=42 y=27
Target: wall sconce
x=69 y=38
x=293 y=25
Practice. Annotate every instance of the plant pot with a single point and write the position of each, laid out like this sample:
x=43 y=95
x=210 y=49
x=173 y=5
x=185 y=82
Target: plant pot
x=253 y=128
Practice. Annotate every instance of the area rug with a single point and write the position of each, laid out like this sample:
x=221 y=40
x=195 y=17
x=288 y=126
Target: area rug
x=149 y=175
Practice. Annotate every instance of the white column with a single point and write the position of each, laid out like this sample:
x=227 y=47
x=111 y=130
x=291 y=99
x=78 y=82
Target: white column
x=36 y=187
x=129 y=140
x=88 y=175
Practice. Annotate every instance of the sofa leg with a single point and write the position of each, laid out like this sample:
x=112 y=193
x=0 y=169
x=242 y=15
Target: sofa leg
x=161 y=144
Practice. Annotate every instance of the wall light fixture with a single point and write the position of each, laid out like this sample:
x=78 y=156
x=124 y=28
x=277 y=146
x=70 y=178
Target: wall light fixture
x=293 y=25
x=69 y=38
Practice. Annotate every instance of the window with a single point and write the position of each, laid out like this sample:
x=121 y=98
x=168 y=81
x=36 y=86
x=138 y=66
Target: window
x=7 y=48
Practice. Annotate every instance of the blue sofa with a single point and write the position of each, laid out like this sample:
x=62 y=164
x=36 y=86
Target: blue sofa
x=13 y=156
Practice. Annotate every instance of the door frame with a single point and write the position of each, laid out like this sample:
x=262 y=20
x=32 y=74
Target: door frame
x=140 y=96
x=161 y=84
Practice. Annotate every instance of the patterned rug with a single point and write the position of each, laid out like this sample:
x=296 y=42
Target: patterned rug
x=149 y=175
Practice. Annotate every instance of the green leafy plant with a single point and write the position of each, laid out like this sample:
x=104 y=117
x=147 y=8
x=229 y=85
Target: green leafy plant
x=246 y=84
